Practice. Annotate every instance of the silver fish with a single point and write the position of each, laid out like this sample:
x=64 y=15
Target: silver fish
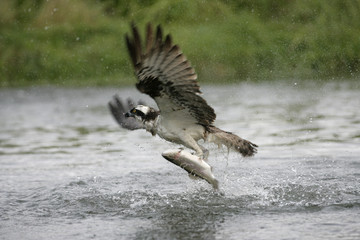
x=193 y=164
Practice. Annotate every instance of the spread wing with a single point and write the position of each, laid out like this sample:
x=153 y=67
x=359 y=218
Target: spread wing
x=118 y=108
x=164 y=73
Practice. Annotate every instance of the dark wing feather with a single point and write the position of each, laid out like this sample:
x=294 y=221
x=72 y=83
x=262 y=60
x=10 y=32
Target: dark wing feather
x=166 y=75
x=118 y=109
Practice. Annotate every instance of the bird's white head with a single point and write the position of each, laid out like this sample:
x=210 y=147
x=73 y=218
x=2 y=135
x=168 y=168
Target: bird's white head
x=142 y=113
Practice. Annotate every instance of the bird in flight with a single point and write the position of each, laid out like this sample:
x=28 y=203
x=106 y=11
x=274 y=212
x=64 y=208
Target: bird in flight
x=183 y=116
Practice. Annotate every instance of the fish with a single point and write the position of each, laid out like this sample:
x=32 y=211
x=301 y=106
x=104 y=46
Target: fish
x=193 y=164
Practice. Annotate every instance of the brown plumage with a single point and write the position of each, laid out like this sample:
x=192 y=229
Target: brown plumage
x=231 y=141
x=164 y=72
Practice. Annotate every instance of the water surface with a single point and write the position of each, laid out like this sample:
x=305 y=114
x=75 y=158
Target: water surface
x=69 y=172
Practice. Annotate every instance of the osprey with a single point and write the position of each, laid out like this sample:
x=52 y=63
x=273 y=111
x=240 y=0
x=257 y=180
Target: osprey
x=184 y=117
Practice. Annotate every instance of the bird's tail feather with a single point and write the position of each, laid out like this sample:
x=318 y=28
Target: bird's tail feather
x=232 y=141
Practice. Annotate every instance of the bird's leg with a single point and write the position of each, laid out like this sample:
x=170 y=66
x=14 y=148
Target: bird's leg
x=189 y=142
x=205 y=152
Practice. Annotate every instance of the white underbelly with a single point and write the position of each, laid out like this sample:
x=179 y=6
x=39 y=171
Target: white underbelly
x=174 y=131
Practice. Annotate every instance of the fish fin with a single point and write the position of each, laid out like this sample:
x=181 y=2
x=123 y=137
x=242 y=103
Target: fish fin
x=215 y=184
x=193 y=177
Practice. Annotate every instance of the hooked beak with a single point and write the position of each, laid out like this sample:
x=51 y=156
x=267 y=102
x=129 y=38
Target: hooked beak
x=129 y=114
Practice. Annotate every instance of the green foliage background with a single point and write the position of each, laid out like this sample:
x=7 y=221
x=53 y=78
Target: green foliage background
x=81 y=42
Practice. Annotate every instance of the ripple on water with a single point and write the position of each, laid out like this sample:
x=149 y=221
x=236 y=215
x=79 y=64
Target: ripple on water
x=57 y=140
x=85 y=197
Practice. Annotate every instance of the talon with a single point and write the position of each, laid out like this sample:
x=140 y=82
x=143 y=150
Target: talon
x=206 y=154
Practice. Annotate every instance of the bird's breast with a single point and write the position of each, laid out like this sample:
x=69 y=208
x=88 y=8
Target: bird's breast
x=174 y=130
